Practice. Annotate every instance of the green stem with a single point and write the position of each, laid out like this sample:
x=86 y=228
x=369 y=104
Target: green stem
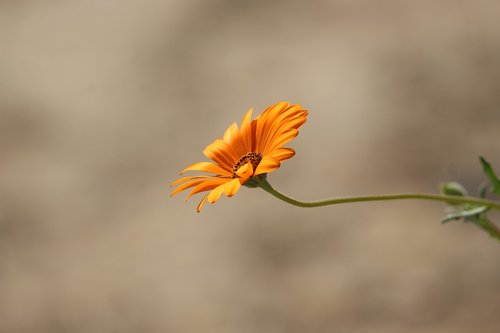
x=264 y=184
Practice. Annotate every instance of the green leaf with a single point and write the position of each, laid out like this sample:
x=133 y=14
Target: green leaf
x=484 y=223
x=488 y=170
x=466 y=214
x=453 y=188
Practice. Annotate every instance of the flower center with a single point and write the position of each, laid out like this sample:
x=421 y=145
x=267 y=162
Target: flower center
x=252 y=157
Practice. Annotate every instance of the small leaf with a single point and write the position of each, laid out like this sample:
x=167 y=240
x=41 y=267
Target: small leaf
x=466 y=214
x=484 y=223
x=453 y=188
x=488 y=170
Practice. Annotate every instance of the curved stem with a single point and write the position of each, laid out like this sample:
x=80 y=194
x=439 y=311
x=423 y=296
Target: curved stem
x=264 y=184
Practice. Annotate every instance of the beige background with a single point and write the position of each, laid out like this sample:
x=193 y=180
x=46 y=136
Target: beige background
x=102 y=102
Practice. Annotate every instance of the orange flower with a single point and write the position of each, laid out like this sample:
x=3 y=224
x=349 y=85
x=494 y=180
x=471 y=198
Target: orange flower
x=253 y=149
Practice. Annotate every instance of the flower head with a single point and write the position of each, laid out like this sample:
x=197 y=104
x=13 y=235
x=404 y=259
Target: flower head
x=255 y=148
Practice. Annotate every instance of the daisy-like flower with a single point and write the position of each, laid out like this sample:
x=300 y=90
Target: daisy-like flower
x=255 y=148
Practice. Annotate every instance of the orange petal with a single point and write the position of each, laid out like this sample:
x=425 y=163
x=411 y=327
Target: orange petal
x=267 y=164
x=230 y=133
x=253 y=135
x=246 y=130
x=229 y=189
x=245 y=171
x=207 y=186
x=266 y=121
x=187 y=185
x=208 y=167
x=220 y=152
x=282 y=154
x=295 y=123
x=281 y=140
x=233 y=138
x=232 y=187
x=294 y=107
x=295 y=120
x=215 y=194
x=269 y=115
x=183 y=179
x=202 y=202
x=283 y=124
x=283 y=121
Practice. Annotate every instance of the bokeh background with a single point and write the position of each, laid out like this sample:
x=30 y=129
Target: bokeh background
x=102 y=102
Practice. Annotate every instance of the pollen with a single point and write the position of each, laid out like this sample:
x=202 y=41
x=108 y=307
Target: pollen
x=252 y=157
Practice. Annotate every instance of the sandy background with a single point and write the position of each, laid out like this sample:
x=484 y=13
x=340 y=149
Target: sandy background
x=102 y=102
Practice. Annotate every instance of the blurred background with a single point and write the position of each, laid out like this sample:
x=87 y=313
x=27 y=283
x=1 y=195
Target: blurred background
x=103 y=102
